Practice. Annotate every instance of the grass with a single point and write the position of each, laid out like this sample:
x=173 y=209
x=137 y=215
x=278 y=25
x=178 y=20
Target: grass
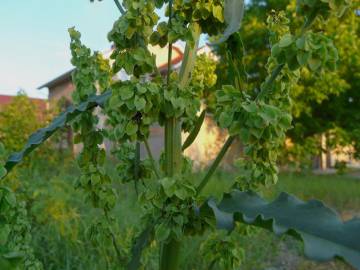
x=338 y=191
x=62 y=241
x=341 y=192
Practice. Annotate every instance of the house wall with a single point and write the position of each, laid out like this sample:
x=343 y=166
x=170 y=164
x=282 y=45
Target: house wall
x=64 y=89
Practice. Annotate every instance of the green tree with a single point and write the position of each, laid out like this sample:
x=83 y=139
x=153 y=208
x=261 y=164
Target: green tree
x=18 y=120
x=322 y=102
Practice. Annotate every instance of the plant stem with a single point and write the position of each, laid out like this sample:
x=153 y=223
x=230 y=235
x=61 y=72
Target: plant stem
x=169 y=259
x=169 y=251
x=113 y=238
x=137 y=166
x=265 y=89
x=152 y=160
x=215 y=164
x=172 y=146
x=122 y=11
x=170 y=46
x=189 y=57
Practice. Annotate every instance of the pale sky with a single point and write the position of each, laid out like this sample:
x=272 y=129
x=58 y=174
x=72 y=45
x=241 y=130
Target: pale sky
x=34 y=42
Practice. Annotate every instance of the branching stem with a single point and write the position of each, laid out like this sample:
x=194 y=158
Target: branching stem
x=113 y=238
x=215 y=164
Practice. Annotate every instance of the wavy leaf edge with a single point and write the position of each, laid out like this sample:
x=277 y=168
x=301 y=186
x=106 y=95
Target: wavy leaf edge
x=324 y=234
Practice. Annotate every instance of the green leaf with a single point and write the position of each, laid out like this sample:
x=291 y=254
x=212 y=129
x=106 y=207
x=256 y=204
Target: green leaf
x=131 y=128
x=140 y=103
x=324 y=234
x=314 y=63
x=218 y=13
x=181 y=193
x=62 y=120
x=3 y=172
x=4 y=234
x=225 y=119
x=302 y=57
x=192 y=136
x=10 y=198
x=300 y=43
x=126 y=92
x=249 y=107
x=233 y=13
x=276 y=50
x=286 y=41
x=141 y=242
x=269 y=113
x=162 y=232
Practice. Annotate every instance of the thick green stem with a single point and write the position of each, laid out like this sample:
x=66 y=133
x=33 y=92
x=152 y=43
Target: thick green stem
x=169 y=252
x=170 y=255
x=173 y=151
x=215 y=164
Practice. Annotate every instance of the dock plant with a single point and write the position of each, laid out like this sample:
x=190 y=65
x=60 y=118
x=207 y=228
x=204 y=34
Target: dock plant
x=169 y=192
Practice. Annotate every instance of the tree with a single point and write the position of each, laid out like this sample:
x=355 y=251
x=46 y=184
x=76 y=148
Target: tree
x=322 y=102
x=173 y=204
x=17 y=121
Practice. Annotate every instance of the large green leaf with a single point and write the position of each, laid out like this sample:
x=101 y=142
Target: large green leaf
x=64 y=118
x=233 y=13
x=324 y=234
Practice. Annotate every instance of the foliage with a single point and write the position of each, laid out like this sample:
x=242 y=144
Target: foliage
x=222 y=248
x=204 y=77
x=15 y=237
x=43 y=134
x=172 y=204
x=320 y=99
x=18 y=120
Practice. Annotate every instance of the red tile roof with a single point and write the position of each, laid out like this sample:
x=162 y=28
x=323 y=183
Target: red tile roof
x=41 y=103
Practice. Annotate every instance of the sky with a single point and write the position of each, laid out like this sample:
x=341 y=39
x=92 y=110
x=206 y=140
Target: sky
x=34 y=42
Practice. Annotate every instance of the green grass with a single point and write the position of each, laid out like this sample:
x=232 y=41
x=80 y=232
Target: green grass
x=64 y=243
x=338 y=191
x=341 y=192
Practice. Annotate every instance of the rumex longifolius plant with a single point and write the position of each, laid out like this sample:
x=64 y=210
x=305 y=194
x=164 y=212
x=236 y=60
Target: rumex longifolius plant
x=173 y=204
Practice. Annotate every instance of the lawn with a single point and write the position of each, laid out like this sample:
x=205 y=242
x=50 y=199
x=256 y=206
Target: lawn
x=61 y=222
